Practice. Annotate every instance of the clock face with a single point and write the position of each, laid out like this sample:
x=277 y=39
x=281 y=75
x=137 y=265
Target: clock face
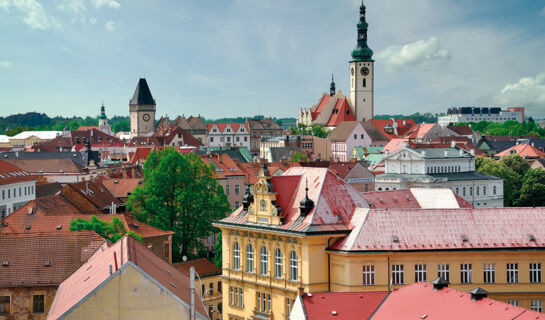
x=145 y=117
x=364 y=71
x=352 y=71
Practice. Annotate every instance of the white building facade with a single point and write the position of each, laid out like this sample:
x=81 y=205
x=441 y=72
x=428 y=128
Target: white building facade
x=451 y=168
x=226 y=135
x=472 y=114
x=17 y=188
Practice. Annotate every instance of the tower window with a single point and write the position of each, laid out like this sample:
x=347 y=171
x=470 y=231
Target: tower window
x=364 y=82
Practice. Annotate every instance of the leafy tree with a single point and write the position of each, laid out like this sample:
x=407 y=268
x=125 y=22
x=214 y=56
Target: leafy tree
x=532 y=192
x=516 y=163
x=113 y=230
x=299 y=157
x=218 y=252
x=179 y=193
x=500 y=170
x=123 y=125
x=320 y=131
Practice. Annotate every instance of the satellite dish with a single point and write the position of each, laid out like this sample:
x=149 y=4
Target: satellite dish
x=184 y=258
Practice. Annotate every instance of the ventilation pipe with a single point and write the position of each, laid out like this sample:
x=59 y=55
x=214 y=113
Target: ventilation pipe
x=192 y=292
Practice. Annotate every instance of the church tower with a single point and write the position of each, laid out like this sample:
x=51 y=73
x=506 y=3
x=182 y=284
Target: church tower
x=362 y=73
x=142 y=110
x=103 y=121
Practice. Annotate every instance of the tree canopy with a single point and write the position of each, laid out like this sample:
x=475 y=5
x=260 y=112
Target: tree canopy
x=113 y=230
x=509 y=128
x=299 y=157
x=218 y=252
x=532 y=191
x=500 y=170
x=317 y=130
x=179 y=193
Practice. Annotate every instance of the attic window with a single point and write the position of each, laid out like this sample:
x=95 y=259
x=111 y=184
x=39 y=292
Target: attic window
x=5 y=263
x=395 y=239
x=28 y=226
x=531 y=237
x=464 y=238
x=47 y=264
x=59 y=227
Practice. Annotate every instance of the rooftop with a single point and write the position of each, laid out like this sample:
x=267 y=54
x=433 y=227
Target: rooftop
x=203 y=267
x=342 y=305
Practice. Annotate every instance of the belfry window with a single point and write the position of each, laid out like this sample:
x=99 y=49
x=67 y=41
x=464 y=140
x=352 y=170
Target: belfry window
x=364 y=82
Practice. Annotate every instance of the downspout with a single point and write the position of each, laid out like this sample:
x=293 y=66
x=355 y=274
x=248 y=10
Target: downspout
x=328 y=268
x=388 y=274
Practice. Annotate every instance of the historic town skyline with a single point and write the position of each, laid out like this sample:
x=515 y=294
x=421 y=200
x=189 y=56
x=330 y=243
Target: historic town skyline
x=243 y=58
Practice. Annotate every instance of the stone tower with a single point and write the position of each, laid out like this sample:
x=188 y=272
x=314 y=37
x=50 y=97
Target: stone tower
x=103 y=124
x=362 y=74
x=142 y=110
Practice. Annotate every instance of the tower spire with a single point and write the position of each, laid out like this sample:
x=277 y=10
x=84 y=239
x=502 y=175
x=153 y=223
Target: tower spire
x=362 y=52
x=332 y=86
x=102 y=111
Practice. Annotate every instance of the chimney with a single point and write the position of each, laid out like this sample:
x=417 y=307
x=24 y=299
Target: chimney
x=461 y=152
x=115 y=260
x=405 y=144
x=478 y=294
x=472 y=152
x=423 y=153
x=453 y=144
x=219 y=158
x=386 y=152
x=192 y=292
x=446 y=153
x=110 y=267
x=440 y=283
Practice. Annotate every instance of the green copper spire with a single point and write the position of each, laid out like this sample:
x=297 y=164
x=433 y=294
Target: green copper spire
x=102 y=111
x=362 y=52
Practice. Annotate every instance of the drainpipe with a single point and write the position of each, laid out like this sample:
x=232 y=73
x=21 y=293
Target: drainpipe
x=328 y=268
x=388 y=284
x=192 y=292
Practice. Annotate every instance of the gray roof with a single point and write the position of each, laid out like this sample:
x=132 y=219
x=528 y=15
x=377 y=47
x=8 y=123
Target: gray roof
x=458 y=176
x=78 y=157
x=263 y=124
x=142 y=94
x=438 y=153
x=281 y=153
x=342 y=131
x=373 y=132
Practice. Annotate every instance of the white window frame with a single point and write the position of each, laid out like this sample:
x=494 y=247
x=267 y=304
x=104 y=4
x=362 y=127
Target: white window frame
x=250 y=258
x=512 y=273
x=368 y=275
x=443 y=271
x=294 y=269
x=264 y=261
x=420 y=272
x=278 y=263
x=489 y=273
x=535 y=272
x=513 y=302
x=397 y=274
x=466 y=273
x=536 y=305
x=236 y=256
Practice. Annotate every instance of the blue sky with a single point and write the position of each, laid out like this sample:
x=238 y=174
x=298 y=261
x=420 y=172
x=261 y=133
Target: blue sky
x=247 y=57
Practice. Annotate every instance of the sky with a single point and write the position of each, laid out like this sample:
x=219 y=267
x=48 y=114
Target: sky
x=244 y=57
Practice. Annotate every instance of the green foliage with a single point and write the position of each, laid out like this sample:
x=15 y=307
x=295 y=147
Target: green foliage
x=122 y=125
x=299 y=157
x=532 y=192
x=33 y=121
x=500 y=170
x=509 y=128
x=218 y=252
x=317 y=130
x=179 y=193
x=516 y=163
x=417 y=117
x=113 y=230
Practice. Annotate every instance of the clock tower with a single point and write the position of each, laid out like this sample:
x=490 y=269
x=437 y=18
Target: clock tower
x=142 y=110
x=362 y=73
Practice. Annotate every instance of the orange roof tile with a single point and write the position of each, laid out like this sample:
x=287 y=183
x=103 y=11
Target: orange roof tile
x=203 y=267
x=524 y=150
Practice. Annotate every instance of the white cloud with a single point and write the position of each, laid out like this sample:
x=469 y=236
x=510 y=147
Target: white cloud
x=74 y=6
x=110 y=25
x=34 y=13
x=93 y=20
x=108 y=3
x=5 y=64
x=418 y=53
x=528 y=92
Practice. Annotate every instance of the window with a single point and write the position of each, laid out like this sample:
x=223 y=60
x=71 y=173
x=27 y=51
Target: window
x=264 y=261
x=457 y=191
x=397 y=274
x=355 y=136
x=5 y=305
x=535 y=272
x=263 y=303
x=513 y=302
x=238 y=139
x=289 y=305
x=237 y=189
x=250 y=258
x=227 y=189
x=278 y=263
x=366 y=187
x=536 y=305
x=293 y=266
x=361 y=136
x=364 y=82
x=484 y=190
x=211 y=288
x=241 y=298
x=489 y=270
x=202 y=290
x=368 y=275
x=236 y=256
x=443 y=271
x=494 y=190
x=237 y=204
x=464 y=191
x=228 y=139
x=466 y=273
x=471 y=191
x=245 y=139
x=419 y=272
x=219 y=286
x=512 y=272
x=231 y=296
x=478 y=191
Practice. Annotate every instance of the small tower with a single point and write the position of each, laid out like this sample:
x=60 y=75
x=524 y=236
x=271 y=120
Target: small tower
x=362 y=73
x=142 y=110
x=263 y=207
x=103 y=121
x=332 y=87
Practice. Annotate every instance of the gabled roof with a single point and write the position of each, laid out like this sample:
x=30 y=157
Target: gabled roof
x=10 y=173
x=425 y=198
x=342 y=168
x=222 y=126
x=524 y=150
x=47 y=165
x=166 y=134
x=419 y=299
x=374 y=133
x=142 y=94
x=343 y=131
x=203 y=267
x=28 y=255
x=122 y=188
x=463 y=130
x=419 y=130
x=444 y=229
x=46 y=135
x=127 y=252
x=263 y=124
x=335 y=202
x=224 y=165
x=341 y=112
x=346 y=305
x=95 y=192
x=402 y=125
x=395 y=144
x=79 y=158
x=282 y=153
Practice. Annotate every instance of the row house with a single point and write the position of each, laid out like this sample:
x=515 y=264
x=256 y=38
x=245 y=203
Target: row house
x=193 y=125
x=227 y=135
x=17 y=187
x=259 y=129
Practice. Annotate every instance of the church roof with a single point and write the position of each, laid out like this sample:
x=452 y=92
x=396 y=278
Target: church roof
x=142 y=94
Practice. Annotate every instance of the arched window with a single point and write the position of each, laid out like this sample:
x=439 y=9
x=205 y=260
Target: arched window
x=264 y=261
x=364 y=83
x=263 y=206
x=484 y=190
x=250 y=258
x=494 y=189
x=457 y=191
x=236 y=256
x=471 y=191
x=464 y=191
x=293 y=266
x=278 y=263
x=478 y=191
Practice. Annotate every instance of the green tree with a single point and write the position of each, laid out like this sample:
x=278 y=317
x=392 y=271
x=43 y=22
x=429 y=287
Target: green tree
x=532 y=192
x=122 y=125
x=113 y=230
x=320 y=131
x=299 y=157
x=500 y=170
x=218 y=252
x=516 y=163
x=179 y=193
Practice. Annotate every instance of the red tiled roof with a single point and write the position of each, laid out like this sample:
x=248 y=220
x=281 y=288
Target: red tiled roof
x=203 y=267
x=395 y=144
x=418 y=131
x=224 y=164
x=347 y=305
x=27 y=255
x=419 y=299
x=47 y=165
x=524 y=150
x=95 y=192
x=405 y=198
x=442 y=229
x=86 y=128
x=463 y=130
x=341 y=168
x=10 y=173
x=403 y=125
x=95 y=272
x=341 y=113
x=222 y=126
x=166 y=134
x=121 y=188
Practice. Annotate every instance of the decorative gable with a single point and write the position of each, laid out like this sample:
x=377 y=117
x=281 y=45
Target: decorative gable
x=264 y=208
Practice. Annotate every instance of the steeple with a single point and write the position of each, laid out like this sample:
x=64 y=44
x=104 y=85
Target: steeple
x=142 y=94
x=306 y=204
x=102 y=111
x=332 y=86
x=362 y=52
